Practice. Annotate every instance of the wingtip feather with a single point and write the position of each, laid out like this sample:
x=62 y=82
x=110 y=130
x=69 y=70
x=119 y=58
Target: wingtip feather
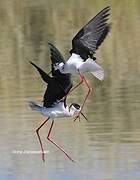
x=99 y=74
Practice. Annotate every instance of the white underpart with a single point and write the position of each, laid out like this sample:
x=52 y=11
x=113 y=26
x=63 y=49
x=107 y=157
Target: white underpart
x=75 y=63
x=58 y=111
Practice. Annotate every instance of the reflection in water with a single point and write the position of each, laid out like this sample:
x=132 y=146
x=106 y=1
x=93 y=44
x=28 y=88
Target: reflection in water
x=107 y=147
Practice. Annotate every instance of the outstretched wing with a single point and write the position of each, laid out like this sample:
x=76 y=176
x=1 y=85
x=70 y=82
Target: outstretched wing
x=103 y=35
x=63 y=79
x=55 y=91
x=43 y=74
x=90 y=37
x=56 y=56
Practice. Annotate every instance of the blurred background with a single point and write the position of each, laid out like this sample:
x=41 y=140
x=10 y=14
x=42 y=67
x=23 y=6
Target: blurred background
x=105 y=148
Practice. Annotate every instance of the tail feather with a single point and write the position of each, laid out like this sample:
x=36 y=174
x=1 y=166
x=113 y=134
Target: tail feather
x=35 y=106
x=98 y=74
x=96 y=69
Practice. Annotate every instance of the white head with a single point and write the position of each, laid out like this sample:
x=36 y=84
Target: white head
x=59 y=66
x=74 y=109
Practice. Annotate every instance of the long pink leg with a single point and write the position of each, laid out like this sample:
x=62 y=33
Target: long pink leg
x=74 y=87
x=83 y=79
x=41 y=145
x=89 y=90
x=48 y=137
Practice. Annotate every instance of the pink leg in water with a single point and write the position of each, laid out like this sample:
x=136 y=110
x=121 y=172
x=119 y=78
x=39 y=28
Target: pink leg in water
x=48 y=137
x=41 y=145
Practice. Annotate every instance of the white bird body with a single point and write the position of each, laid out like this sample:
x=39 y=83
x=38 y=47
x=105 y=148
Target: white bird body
x=58 y=111
x=71 y=66
x=75 y=64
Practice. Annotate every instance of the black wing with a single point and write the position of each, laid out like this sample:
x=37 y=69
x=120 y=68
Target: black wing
x=54 y=93
x=56 y=88
x=90 y=37
x=56 y=56
x=43 y=74
x=64 y=79
x=103 y=35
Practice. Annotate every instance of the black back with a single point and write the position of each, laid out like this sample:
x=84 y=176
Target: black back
x=91 y=36
x=58 y=85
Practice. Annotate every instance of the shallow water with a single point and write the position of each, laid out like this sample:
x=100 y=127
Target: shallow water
x=105 y=148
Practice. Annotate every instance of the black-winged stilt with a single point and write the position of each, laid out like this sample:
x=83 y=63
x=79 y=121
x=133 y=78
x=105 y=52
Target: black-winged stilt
x=53 y=104
x=84 y=45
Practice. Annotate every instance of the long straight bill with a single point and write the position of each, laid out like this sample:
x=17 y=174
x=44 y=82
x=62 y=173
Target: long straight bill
x=84 y=116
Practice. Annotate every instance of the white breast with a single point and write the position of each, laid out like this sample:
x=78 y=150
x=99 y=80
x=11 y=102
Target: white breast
x=73 y=63
x=58 y=111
